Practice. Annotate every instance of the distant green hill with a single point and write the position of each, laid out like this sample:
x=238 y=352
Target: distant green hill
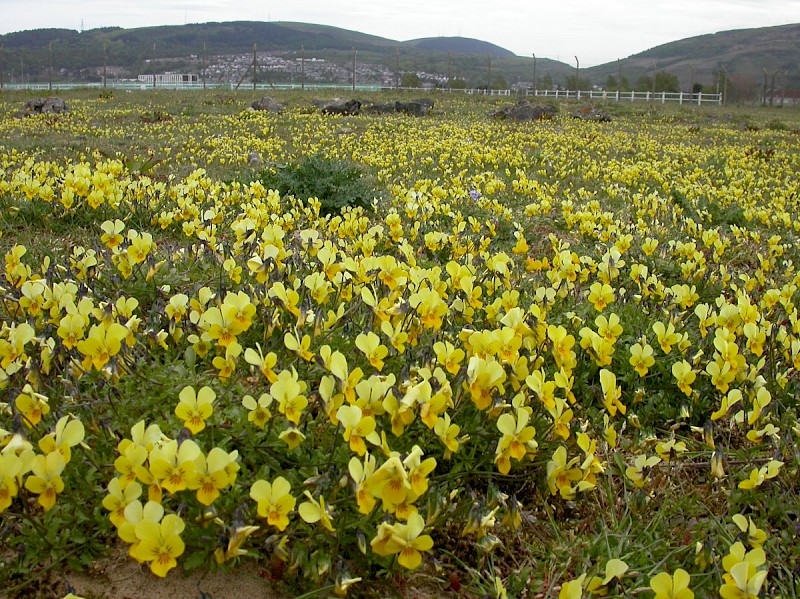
x=460 y=45
x=744 y=53
x=79 y=55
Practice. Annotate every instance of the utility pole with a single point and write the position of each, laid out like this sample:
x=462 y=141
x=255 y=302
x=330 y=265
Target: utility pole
x=619 y=79
x=489 y=58
x=449 y=68
x=691 y=71
x=50 y=67
x=534 y=74
x=783 y=85
x=153 y=65
x=302 y=67
x=764 y=89
x=105 y=63
x=354 y=68
x=203 y=64
x=772 y=88
x=653 y=84
x=397 y=78
x=724 y=85
x=1 y=67
x=577 y=78
x=255 y=66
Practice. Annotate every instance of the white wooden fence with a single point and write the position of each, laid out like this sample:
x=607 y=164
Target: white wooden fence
x=557 y=94
x=660 y=97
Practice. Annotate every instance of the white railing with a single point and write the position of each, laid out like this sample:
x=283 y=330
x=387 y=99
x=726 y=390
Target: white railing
x=660 y=97
x=558 y=94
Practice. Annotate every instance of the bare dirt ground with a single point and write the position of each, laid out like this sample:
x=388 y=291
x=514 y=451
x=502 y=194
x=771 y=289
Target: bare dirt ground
x=129 y=580
x=119 y=577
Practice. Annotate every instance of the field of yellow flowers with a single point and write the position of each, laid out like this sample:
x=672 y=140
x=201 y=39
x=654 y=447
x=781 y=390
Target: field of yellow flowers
x=553 y=359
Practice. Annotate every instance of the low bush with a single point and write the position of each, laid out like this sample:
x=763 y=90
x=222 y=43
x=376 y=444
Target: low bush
x=337 y=184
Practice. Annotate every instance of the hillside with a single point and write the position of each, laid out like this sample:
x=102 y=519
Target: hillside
x=225 y=50
x=81 y=55
x=460 y=45
x=744 y=53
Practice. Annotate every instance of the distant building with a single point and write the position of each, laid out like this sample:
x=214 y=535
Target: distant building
x=170 y=78
x=789 y=97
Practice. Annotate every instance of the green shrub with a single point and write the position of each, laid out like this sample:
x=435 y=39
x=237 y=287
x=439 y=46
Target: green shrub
x=335 y=183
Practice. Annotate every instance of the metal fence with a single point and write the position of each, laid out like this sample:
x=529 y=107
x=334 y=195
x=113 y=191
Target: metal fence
x=557 y=94
x=139 y=86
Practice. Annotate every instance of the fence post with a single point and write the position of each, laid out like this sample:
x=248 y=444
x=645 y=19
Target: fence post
x=680 y=100
x=699 y=98
x=354 y=68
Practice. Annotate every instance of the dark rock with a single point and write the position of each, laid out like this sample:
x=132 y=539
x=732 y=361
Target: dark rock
x=428 y=102
x=268 y=104
x=380 y=108
x=587 y=113
x=339 y=106
x=420 y=107
x=254 y=159
x=525 y=111
x=49 y=105
x=415 y=107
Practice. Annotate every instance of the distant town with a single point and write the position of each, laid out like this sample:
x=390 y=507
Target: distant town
x=280 y=67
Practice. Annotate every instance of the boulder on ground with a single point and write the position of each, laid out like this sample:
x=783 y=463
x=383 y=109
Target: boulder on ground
x=587 y=113
x=380 y=108
x=340 y=106
x=420 y=107
x=49 y=105
x=525 y=111
x=428 y=102
x=254 y=159
x=267 y=103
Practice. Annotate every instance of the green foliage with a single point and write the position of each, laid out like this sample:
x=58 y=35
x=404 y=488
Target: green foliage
x=667 y=82
x=409 y=80
x=664 y=82
x=644 y=84
x=469 y=503
x=337 y=184
x=499 y=82
x=582 y=83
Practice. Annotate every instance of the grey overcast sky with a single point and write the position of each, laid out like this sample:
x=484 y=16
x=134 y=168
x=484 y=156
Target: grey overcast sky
x=596 y=32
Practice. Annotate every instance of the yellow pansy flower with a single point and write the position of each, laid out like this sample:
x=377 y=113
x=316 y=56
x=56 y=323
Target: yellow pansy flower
x=672 y=587
x=274 y=501
x=194 y=408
